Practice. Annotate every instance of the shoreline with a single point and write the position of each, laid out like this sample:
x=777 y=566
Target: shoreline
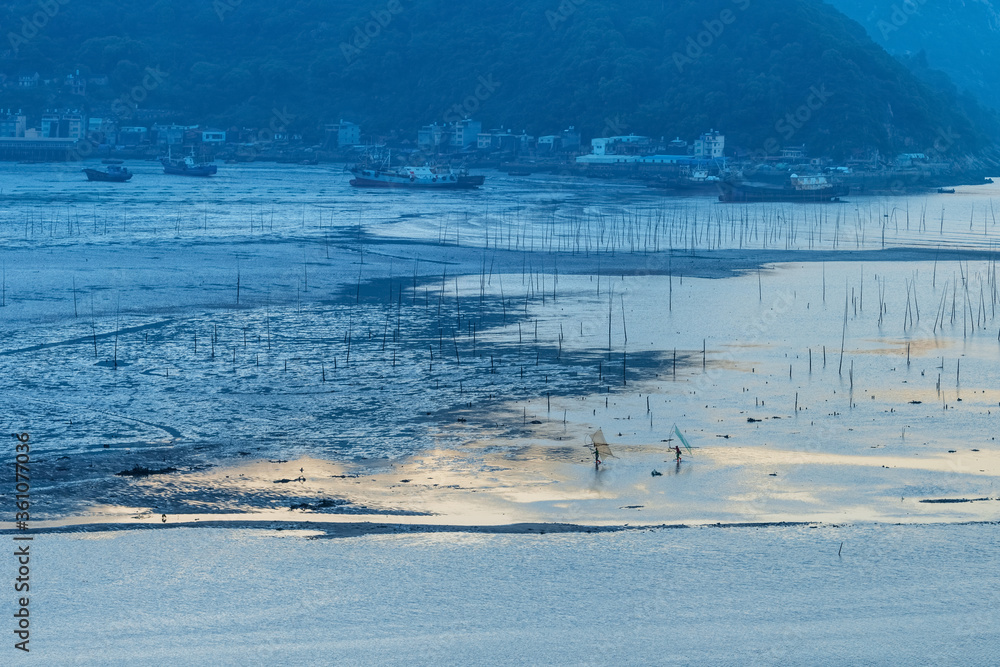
x=336 y=529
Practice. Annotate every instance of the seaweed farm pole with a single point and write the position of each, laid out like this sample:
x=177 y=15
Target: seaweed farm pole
x=843 y=339
x=624 y=326
x=610 y=303
x=670 y=277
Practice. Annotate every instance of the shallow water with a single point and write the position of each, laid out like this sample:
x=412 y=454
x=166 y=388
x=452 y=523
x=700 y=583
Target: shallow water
x=894 y=595
x=275 y=312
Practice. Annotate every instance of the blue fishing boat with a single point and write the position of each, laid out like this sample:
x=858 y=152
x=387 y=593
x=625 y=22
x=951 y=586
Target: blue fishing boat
x=113 y=174
x=187 y=167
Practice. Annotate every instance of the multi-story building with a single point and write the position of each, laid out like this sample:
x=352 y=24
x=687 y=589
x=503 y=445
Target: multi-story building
x=172 y=135
x=570 y=140
x=62 y=124
x=343 y=134
x=433 y=137
x=12 y=124
x=76 y=84
x=710 y=146
x=133 y=136
x=501 y=140
x=465 y=134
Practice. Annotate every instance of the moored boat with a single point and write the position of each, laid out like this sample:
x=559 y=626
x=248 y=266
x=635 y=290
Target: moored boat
x=798 y=189
x=434 y=178
x=187 y=167
x=698 y=181
x=113 y=174
x=383 y=175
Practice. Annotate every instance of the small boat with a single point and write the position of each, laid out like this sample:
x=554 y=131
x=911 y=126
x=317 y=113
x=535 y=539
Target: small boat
x=946 y=191
x=187 y=167
x=113 y=174
x=699 y=181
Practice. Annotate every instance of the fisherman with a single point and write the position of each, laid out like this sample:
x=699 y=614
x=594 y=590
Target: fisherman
x=597 y=458
x=678 y=451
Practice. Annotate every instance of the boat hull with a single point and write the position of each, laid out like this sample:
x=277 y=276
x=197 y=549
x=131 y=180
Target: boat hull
x=104 y=177
x=201 y=170
x=685 y=186
x=397 y=183
x=751 y=194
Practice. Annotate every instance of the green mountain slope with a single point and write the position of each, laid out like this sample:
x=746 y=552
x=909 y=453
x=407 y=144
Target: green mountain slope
x=767 y=72
x=959 y=37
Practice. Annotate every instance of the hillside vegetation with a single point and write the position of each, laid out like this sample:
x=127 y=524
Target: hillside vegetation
x=767 y=72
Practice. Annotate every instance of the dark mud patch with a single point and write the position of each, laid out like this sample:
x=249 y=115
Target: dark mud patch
x=142 y=471
x=948 y=501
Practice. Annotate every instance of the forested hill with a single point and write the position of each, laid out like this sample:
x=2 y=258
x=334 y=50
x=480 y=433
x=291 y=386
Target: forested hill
x=658 y=67
x=958 y=37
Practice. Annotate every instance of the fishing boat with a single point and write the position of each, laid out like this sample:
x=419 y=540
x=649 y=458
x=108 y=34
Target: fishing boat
x=698 y=181
x=381 y=174
x=113 y=174
x=187 y=166
x=798 y=189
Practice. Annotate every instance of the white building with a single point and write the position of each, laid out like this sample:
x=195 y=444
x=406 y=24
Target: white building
x=629 y=145
x=348 y=133
x=616 y=150
x=432 y=137
x=465 y=133
x=62 y=125
x=710 y=145
x=213 y=137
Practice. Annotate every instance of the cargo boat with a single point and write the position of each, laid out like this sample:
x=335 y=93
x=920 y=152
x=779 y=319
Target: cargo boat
x=434 y=178
x=798 y=189
x=383 y=175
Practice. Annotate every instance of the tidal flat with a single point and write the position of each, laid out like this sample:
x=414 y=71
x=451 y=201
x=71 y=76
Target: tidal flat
x=272 y=352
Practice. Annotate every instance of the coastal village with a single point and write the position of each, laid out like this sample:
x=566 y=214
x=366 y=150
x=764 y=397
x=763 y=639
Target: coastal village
x=679 y=164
